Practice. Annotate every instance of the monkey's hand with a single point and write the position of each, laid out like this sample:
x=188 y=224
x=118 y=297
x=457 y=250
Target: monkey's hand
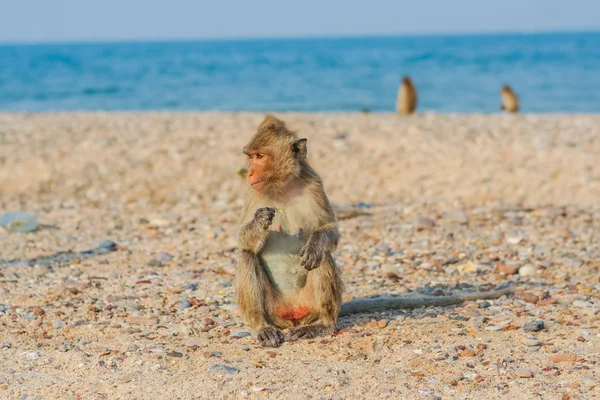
x=312 y=253
x=264 y=217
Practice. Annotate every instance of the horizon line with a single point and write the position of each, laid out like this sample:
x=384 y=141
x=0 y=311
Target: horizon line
x=298 y=37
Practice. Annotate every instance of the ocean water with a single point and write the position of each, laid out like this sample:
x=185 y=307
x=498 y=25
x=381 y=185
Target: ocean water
x=550 y=72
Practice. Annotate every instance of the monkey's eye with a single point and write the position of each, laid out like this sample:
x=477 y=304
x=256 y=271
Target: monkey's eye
x=258 y=156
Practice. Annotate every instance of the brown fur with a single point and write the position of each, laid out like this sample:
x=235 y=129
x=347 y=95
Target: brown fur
x=510 y=101
x=407 y=97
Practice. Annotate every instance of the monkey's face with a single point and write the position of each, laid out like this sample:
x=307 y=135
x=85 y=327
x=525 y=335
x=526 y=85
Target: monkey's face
x=260 y=164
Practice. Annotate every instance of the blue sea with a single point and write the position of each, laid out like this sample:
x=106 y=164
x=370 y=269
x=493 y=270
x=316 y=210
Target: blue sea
x=550 y=72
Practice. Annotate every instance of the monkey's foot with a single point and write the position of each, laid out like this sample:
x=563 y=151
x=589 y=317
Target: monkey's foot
x=270 y=337
x=308 y=332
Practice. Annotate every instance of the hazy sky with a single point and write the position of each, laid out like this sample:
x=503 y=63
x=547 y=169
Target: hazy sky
x=95 y=20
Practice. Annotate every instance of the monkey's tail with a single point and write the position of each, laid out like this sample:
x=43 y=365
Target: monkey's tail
x=380 y=304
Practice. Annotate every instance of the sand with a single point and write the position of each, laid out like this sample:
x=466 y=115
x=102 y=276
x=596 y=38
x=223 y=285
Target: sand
x=450 y=203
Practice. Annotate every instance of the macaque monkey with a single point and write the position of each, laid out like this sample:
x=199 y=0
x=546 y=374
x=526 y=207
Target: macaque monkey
x=510 y=101
x=286 y=276
x=406 y=102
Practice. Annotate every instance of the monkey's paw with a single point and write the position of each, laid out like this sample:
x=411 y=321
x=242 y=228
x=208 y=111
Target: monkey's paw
x=264 y=216
x=311 y=256
x=305 y=332
x=270 y=337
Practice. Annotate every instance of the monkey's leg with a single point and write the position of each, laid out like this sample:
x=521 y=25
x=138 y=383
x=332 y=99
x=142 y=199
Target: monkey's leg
x=252 y=288
x=327 y=287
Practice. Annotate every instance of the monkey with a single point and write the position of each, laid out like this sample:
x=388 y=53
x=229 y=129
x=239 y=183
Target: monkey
x=510 y=101
x=286 y=276
x=406 y=102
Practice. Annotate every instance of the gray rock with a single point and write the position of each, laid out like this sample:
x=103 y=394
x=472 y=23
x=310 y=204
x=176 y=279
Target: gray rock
x=531 y=342
x=58 y=324
x=533 y=326
x=223 y=369
x=183 y=304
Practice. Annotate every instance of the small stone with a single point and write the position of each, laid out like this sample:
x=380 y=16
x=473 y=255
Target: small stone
x=37 y=311
x=533 y=326
x=523 y=373
x=422 y=222
x=175 y=354
x=183 y=304
x=416 y=362
x=494 y=328
x=527 y=297
x=467 y=353
x=257 y=363
x=506 y=269
x=189 y=286
x=223 y=369
x=563 y=357
x=125 y=378
x=531 y=342
x=582 y=304
x=209 y=321
x=481 y=346
x=142 y=321
x=108 y=245
x=240 y=334
x=5 y=346
x=382 y=324
x=515 y=237
x=32 y=355
x=467 y=268
x=527 y=270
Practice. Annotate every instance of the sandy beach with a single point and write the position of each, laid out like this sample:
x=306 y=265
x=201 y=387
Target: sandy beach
x=448 y=204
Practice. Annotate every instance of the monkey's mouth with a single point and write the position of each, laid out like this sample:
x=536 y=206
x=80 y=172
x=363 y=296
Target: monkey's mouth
x=258 y=181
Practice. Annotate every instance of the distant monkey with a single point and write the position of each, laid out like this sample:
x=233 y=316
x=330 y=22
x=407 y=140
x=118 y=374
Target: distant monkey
x=407 y=97
x=510 y=101
x=286 y=277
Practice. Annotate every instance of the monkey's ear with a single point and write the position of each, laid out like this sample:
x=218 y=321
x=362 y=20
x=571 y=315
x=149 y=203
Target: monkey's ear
x=299 y=148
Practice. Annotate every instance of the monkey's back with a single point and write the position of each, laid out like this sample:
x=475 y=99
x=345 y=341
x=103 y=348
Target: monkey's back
x=407 y=99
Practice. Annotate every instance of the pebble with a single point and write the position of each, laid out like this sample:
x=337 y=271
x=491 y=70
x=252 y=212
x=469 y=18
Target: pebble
x=32 y=355
x=527 y=297
x=240 y=334
x=582 y=304
x=142 y=321
x=58 y=324
x=223 y=369
x=563 y=357
x=422 y=222
x=108 y=245
x=515 y=237
x=523 y=373
x=533 y=326
x=5 y=346
x=494 y=328
x=125 y=378
x=527 y=270
x=175 y=354
x=183 y=304
x=189 y=286
x=531 y=342
x=467 y=353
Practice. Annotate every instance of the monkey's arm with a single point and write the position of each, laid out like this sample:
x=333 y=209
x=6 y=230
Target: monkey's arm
x=253 y=235
x=393 y=303
x=322 y=240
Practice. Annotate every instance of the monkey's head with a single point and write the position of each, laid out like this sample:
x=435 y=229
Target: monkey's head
x=506 y=89
x=406 y=80
x=275 y=156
